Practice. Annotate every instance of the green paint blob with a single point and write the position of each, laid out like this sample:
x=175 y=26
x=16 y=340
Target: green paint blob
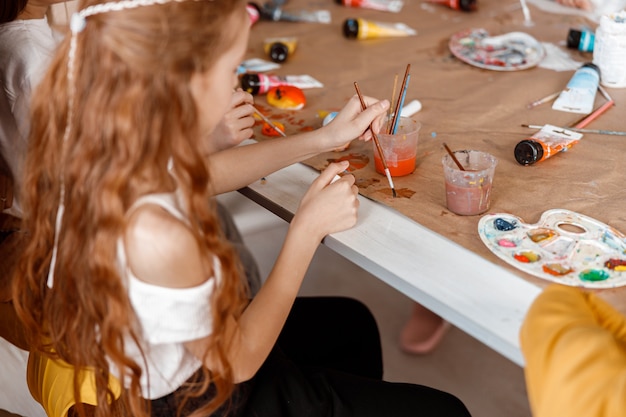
x=594 y=275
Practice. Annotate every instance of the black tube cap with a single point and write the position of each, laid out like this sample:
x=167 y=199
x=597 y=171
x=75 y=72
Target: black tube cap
x=591 y=65
x=351 y=28
x=528 y=151
x=468 y=5
x=573 y=38
x=279 y=52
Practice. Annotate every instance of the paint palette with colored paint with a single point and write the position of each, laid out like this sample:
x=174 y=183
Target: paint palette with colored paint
x=512 y=51
x=564 y=247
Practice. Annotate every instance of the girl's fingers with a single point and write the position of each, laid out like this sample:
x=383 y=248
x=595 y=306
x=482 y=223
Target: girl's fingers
x=329 y=175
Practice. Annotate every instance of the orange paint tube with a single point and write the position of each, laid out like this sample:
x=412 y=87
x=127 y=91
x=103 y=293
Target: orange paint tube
x=549 y=141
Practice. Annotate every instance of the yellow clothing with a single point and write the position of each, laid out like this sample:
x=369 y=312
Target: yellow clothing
x=574 y=344
x=51 y=384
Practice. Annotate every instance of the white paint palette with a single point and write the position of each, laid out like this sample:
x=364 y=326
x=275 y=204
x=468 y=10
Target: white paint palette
x=564 y=246
x=512 y=51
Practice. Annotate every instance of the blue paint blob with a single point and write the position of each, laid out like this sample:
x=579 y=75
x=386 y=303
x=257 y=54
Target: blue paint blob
x=503 y=225
x=433 y=134
x=594 y=275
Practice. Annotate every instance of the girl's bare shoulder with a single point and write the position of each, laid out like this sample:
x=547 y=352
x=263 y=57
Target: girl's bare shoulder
x=161 y=249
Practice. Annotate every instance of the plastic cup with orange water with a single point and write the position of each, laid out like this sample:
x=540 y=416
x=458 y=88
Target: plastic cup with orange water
x=400 y=149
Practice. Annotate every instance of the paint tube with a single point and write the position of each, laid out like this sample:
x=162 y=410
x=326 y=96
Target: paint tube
x=278 y=49
x=464 y=5
x=367 y=29
x=254 y=65
x=580 y=39
x=315 y=16
x=549 y=141
x=383 y=5
x=254 y=12
x=273 y=11
x=261 y=83
x=580 y=92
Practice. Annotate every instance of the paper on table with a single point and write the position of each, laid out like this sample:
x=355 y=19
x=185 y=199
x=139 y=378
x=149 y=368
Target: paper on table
x=557 y=59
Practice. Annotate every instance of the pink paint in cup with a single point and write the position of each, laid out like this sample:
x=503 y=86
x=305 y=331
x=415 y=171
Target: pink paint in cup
x=469 y=192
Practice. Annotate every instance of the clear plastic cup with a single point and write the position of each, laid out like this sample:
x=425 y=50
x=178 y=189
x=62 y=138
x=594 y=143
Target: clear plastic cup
x=468 y=192
x=400 y=149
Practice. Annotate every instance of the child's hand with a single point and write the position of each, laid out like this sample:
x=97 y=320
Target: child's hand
x=352 y=123
x=236 y=125
x=580 y=4
x=330 y=205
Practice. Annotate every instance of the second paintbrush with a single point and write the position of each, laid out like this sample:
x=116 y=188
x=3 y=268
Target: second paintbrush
x=376 y=142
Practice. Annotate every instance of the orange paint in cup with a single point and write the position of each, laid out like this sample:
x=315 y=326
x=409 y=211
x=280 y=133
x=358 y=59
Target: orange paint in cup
x=400 y=149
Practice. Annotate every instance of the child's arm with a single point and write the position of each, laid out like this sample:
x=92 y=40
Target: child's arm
x=237 y=167
x=162 y=251
x=325 y=208
x=574 y=345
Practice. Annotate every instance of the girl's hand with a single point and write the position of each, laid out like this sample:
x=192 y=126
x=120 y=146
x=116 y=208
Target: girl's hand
x=236 y=125
x=352 y=123
x=330 y=205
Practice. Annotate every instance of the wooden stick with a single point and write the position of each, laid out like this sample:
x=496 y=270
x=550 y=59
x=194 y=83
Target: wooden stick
x=456 y=161
x=269 y=122
x=394 y=127
x=376 y=142
x=590 y=118
x=397 y=110
x=543 y=100
x=393 y=94
x=573 y=129
x=585 y=120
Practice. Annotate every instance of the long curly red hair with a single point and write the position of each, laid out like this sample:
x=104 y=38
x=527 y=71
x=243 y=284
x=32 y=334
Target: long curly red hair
x=133 y=112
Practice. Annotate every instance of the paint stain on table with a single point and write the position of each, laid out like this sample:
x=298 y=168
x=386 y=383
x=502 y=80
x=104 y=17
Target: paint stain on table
x=356 y=160
x=400 y=192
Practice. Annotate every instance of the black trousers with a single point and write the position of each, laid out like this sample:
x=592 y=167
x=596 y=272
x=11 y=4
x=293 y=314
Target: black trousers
x=327 y=363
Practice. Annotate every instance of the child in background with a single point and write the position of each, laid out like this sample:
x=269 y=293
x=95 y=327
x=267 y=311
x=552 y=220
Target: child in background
x=423 y=331
x=126 y=271
x=26 y=46
x=574 y=346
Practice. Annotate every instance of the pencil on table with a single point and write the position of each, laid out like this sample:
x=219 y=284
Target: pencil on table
x=585 y=120
x=595 y=115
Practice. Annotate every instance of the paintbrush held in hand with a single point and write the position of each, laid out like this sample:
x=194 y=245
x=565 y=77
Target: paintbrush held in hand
x=376 y=142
